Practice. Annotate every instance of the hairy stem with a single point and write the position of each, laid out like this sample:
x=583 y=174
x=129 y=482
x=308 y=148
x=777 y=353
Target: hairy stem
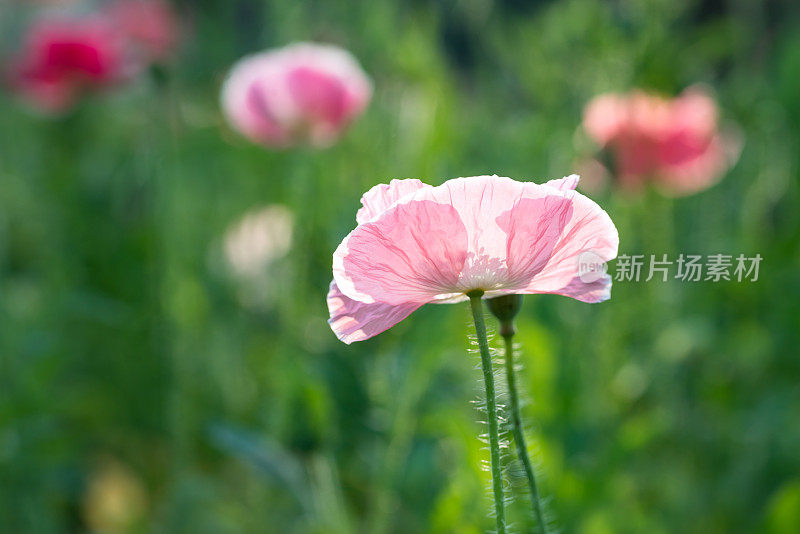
x=518 y=432
x=491 y=408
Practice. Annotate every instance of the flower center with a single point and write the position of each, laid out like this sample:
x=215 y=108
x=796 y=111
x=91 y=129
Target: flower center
x=482 y=272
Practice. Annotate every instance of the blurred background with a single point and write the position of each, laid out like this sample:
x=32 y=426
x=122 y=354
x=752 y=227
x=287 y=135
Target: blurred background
x=156 y=376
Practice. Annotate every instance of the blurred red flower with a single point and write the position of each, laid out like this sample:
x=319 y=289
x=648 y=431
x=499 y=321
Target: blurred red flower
x=62 y=58
x=66 y=56
x=675 y=142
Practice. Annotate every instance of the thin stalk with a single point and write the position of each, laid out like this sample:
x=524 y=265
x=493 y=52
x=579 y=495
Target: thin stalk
x=491 y=408
x=518 y=432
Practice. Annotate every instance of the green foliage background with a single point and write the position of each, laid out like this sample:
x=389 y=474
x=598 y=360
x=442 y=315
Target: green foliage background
x=674 y=407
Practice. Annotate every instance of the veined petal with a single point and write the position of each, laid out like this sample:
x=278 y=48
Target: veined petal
x=481 y=202
x=352 y=320
x=592 y=292
x=478 y=201
x=409 y=254
x=435 y=244
x=534 y=227
x=587 y=229
x=566 y=183
x=383 y=196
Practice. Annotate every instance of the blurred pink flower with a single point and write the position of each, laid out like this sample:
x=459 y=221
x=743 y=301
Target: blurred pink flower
x=417 y=244
x=302 y=93
x=676 y=142
x=62 y=58
x=151 y=27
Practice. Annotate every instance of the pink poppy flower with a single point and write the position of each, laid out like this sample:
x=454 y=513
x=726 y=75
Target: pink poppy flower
x=417 y=244
x=302 y=93
x=64 y=58
x=151 y=27
x=676 y=142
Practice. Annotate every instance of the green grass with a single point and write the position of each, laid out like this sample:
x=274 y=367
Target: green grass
x=674 y=407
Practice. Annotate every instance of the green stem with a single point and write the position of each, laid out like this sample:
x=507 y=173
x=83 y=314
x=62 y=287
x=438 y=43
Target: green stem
x=516 y=427
x=491 y=408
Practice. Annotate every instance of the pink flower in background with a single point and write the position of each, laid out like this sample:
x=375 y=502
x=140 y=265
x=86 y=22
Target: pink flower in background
x=151 y=27
x=676 y=142
x=417 y=244
x=302 y=93
x=64 y=58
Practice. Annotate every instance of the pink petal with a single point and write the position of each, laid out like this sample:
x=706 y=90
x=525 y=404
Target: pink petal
x=248 y=96
x=534 y=226
x=587 y=228
x=484 y=232
x=336 y=62
x=635 y=157
x=649 y=115
x=591 y=292
x=700 y=172
x=318 y=94
x=478 y=201
x=695 y=110
x=409 y=254
x=604 y=117
x=566 y=183
x=694 y=156
x=674 y=142
x=303 y=92
x=513 y=228
x=384 y=196
x=327 y=90
x=352 y=320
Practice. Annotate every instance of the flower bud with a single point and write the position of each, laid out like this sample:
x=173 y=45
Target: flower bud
x=505 y=308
